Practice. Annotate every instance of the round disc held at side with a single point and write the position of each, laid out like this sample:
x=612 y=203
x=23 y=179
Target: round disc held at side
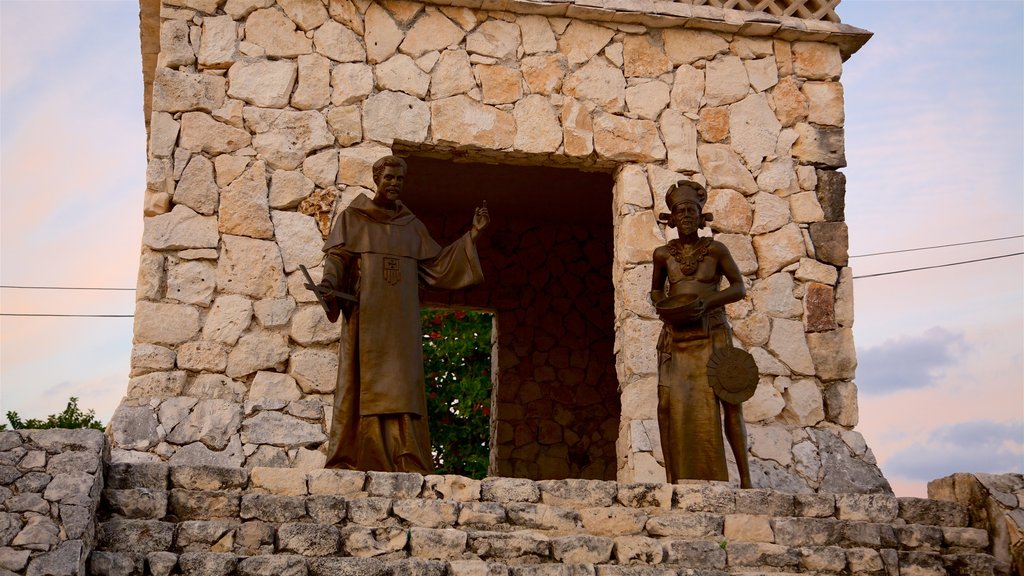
x=732 y=374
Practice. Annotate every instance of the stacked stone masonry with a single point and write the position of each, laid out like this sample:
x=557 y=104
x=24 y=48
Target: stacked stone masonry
x=266 y=118
x=50 y=487
x=210 y=521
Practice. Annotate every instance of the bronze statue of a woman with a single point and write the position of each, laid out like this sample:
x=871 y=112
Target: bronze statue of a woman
x=685 y=290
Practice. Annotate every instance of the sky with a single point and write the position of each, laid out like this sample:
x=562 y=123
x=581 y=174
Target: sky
x=934 y=143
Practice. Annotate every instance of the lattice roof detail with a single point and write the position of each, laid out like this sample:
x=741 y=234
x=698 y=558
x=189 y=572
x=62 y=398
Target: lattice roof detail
x=806 y=9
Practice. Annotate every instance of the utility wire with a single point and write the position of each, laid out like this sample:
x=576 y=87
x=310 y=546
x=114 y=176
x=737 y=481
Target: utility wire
x=59 y=288
x=938 y=266
x=939 y=246
x=68 y=315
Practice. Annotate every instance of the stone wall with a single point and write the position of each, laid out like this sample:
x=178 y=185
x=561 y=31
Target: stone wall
x=264 y=114
x=996 y=505
x=50 y=484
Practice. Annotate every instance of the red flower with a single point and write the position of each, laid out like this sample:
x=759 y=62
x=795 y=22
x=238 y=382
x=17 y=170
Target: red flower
x=435 y=335
x=460 y=314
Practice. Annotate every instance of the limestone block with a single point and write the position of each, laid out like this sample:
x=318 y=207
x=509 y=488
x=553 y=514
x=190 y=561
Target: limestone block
x=284 y=138
x=274 y=312
x=820 y=146
x=747 y=528
x=509 y=490
x=638 y=550
x=807 y=177
x=462 y=121
x=135 y=428
x=433 y=31
x=281 y=481
x=199 y=356
x=175 y=91
x=638 y=348
x=228 y=318
x=350 y=83
x=441 y=544
x=805 y=207
x=211 y=422
x=831 y=242
x=790 y=104
x=288 y=188
x=388 y=116
x=774 y=296
x=150 y=358
x=731 y=210
x=451 y=487
x=770 y=213
x=219 y=45
x=427 y=513
x=336 y=482
x=778 y=177
x=364 y=543
x=577 y=128
x=771 y=443
x=804 y=403
x=778 y=249
x=499 y=84
x=280 y=429
x=841 y=403
x=201 y=133
x=819 y=310
x=825 y=101
x=817 y=60
x=811 y=270
x=271 y=30
x=638 y=235
x=401 y=74
x=197 y=188
x=310 y=326
x=338 y=43
x=257 y=351
x=725 y=81
x=598 y=83
x=314 y=82
x=163 y=134
x=625 y=140
x=346 y=124
x=631 y=187
x=40 y=533
x=307 y=14
x=537 y=34
x=165 y=323
x=647 y=100
x=191 y=282
x=174 y=410
x=830 y=189
x=583 y=40
x=753 y=129
x=686 y=525
x=742 y=251
x=495 y=38
x=156 y=203
x=206 y=6
x=355 y=165
x=275 y=386
x=763 y=73
x=724 y=168
x=582 y=549
x=687 y=46
x=179 y=229
x=299 y=239
x=713 y=125
x=537 y=127
x=382 y=35
x=175 y=49
x=789 y=344
x=315 y=370
x=688 y=90
x=844 y=298
x=226 y=167
x=217 y=386
x=642 y=58
x=244 y=205
x=322 y=167
x=452 y=75
x=835 y=357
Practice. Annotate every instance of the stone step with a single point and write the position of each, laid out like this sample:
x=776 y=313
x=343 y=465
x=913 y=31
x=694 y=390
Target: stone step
x=230 y=520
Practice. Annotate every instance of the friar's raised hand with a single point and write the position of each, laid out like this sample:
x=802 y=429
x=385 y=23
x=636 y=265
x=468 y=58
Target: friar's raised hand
x=481 y=218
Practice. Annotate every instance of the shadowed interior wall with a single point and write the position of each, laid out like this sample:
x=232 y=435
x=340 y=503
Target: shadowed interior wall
x=547 y=261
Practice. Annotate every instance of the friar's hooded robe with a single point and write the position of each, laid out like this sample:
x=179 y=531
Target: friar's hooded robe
x=381 y=256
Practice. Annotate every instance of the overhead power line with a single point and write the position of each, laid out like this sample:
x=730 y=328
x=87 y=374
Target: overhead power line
x=938 y=246
x=68 y=315
x=938 y=265
x=60 y=288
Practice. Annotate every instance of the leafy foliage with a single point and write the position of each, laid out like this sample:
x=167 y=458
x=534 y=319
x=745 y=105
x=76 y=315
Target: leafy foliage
x=457 y=365
x=71 y=417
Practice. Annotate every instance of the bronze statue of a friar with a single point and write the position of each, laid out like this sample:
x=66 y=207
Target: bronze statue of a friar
x=701 y=376
x=377 y=255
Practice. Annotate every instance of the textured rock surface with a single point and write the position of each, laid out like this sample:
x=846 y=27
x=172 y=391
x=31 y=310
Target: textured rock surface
x=268 y=115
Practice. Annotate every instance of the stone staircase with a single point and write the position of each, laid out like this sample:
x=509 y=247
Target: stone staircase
x=160 y=520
